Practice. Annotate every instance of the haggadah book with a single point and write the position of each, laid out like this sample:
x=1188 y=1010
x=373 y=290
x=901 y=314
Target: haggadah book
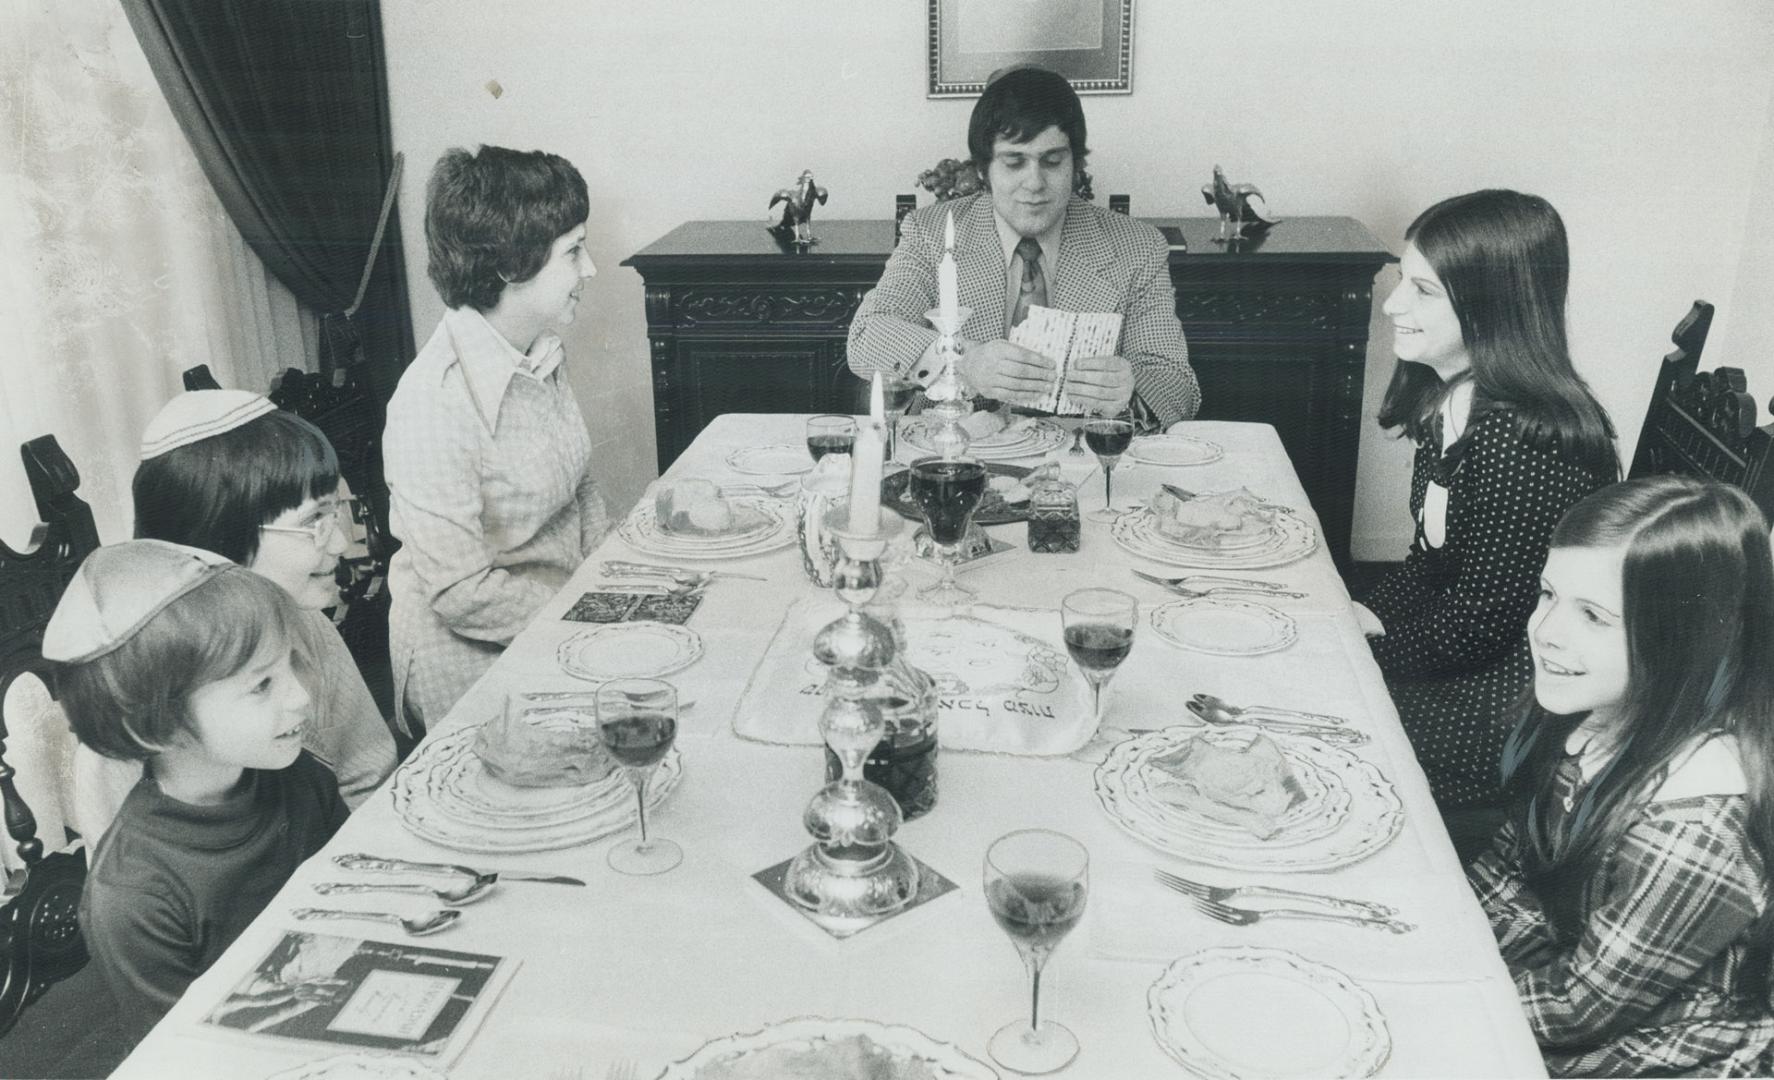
x=369 y=995
x=1065 y=337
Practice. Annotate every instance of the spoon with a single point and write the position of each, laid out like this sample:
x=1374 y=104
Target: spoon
x=418 y=927
x=456 y=896
x=1224 y=706
x=1342 y=736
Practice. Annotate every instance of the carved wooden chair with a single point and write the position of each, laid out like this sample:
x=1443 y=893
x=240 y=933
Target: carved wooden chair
x=1704 y=425
x=40 y=941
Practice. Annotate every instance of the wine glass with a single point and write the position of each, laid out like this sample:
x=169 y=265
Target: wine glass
x=1036 y=881
x=897 y=394
x=830 y=434
x=947 y=491
x=1099 y=635
x=637 y=719
x=1108 y=437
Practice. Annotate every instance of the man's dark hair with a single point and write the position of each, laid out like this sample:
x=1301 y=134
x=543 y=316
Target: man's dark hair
x=492 y=217
x=1020 y=104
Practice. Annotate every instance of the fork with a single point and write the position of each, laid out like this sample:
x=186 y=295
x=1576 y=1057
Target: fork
x=1184 y=590
x=1222 y=893
x=774 y=491
x=1216 y=579
x=1213 y=909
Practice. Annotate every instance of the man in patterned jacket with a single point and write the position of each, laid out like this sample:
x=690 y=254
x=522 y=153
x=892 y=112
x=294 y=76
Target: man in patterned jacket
x=1027 y=239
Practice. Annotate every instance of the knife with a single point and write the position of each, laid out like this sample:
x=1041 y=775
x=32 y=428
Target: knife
x=1185 y=495
x=359 y=861
x=617 y=568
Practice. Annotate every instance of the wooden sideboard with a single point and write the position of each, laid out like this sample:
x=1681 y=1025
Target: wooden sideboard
x=1277 y=331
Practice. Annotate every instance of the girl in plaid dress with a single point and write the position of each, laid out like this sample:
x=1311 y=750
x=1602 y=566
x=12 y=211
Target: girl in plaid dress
x=1629 y=886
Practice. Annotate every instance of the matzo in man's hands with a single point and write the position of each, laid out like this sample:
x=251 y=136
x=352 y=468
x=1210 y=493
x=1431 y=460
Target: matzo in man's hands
x=1066 y=337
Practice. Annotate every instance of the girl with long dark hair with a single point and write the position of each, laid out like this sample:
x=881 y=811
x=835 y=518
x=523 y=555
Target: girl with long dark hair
x=1508 y=438
x=1629 y=886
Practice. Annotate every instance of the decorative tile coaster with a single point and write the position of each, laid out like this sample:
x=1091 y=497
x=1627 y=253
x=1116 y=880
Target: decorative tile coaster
x=614 y=607
x=930 y=886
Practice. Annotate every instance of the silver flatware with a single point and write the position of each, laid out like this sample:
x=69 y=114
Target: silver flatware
x=456 y=896
x=1236 y=916
x=418 y=926
x=621 y=1069
x=1185 y=495
x=772 y=491
x=655 y=588
x=1216 y=579
x=1336 y=735
x=359 y=861
x=1223 y=893
x=620 y=568
x=559 y=695
x=1225 y=707
x=1210 y=590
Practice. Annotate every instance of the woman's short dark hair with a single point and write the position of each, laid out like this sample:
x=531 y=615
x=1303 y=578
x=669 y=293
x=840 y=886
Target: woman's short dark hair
x=492 y=217
x=1505 y=261
x=214 y=494
x=1020 y=104
x=134 y=701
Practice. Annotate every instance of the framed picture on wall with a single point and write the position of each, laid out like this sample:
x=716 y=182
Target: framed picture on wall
x=1090 y=42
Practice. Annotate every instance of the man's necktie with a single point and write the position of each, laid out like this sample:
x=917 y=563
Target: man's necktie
x=1033 y=289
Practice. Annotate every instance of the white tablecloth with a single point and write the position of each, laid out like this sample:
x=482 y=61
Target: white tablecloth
x=650 y=968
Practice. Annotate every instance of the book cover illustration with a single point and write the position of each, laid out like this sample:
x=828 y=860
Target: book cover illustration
x=374 y=995
x=1065 y=337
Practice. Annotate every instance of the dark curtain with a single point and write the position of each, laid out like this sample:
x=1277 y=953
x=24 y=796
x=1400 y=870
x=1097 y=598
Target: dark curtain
x=286 y=105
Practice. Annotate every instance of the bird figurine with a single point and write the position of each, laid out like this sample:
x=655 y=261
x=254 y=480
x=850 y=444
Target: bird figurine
x=796 y=225
x=1237 y=218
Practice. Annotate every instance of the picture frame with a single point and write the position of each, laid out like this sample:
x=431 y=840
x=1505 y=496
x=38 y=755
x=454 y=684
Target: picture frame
x=1090 y=42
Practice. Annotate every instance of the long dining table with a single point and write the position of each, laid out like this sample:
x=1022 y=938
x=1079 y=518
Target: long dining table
x=648 y=969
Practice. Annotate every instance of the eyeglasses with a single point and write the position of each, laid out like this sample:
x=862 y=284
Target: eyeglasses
x=322 y=531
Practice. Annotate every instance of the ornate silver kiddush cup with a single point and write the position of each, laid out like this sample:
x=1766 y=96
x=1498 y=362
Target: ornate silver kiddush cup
x=951 y=399
x=853 y=869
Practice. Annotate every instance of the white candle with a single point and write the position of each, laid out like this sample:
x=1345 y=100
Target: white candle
x=865 y=480
x=878 y=399
x=948 y=289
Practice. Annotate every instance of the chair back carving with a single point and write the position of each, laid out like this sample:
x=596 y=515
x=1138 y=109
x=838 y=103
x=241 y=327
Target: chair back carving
x=1704 y=424
x=40 y=940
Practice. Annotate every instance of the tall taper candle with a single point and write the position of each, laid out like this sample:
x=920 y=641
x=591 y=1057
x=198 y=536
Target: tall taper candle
x=878 y=398
x=865 y=480
x=948 y=289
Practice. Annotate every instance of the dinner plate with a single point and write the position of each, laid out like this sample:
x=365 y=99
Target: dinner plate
x=1336 y=836
x=777 y=459
x=1025 y=437
x=1321 y=798
x=812 y=1046
x=361 y=1067
x=993 y=510
x=630 y=650
x=1224 y=627
x=426 y=800
x=1252 y=1013
x=1290 y=540
x=1174 y=450
x=640 y=530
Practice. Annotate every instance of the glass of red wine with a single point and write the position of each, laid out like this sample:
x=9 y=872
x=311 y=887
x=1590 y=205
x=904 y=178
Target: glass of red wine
x=637 y=719
x=1099 y=635
x=1036 y=881
x=830 y=434
x=1108 y=437
x=947 y=491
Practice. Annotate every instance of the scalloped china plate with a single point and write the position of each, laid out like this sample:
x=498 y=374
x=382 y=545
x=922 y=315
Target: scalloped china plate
x=1251 y=1013
x=801 y=1047
x=1224 y=627
x=1288 y=540
x=1025 y=437
x=777 y=459
x=1174 y=450
x=1338 y=834
x=629 y=650
x=640 y=530
x=428 y=802
x=360 y=1067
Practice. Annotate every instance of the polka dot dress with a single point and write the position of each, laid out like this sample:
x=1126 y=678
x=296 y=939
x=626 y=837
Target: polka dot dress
x=1455 y=652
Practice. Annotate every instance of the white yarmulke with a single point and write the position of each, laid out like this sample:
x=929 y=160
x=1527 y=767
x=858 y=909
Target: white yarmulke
x=196 y=415
x=117 y=590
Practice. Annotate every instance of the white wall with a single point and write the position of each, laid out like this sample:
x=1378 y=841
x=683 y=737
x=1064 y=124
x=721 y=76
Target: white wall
x=1645 y=123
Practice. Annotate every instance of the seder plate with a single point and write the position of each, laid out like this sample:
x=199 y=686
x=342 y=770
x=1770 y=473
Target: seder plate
x=815 y=1046
x=1224 y=627
x=642 y=532
x=629 y=650
x=1250 y=1013
x=993 y=510
x=1174 y=450
x=1309 y=839
x=1025 y=437
x=1289 y=539
x=777 y=459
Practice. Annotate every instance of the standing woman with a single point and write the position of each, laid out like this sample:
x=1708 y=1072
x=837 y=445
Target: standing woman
x=487 y=455
x=1508 y=438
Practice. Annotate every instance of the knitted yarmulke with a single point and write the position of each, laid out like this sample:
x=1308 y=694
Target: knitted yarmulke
x=117 y=590
x=196 y=415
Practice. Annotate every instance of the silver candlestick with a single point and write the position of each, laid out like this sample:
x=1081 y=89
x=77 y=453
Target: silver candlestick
x=951 y=399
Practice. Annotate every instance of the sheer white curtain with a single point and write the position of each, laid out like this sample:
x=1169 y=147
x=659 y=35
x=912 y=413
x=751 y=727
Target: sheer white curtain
x=119 y=269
